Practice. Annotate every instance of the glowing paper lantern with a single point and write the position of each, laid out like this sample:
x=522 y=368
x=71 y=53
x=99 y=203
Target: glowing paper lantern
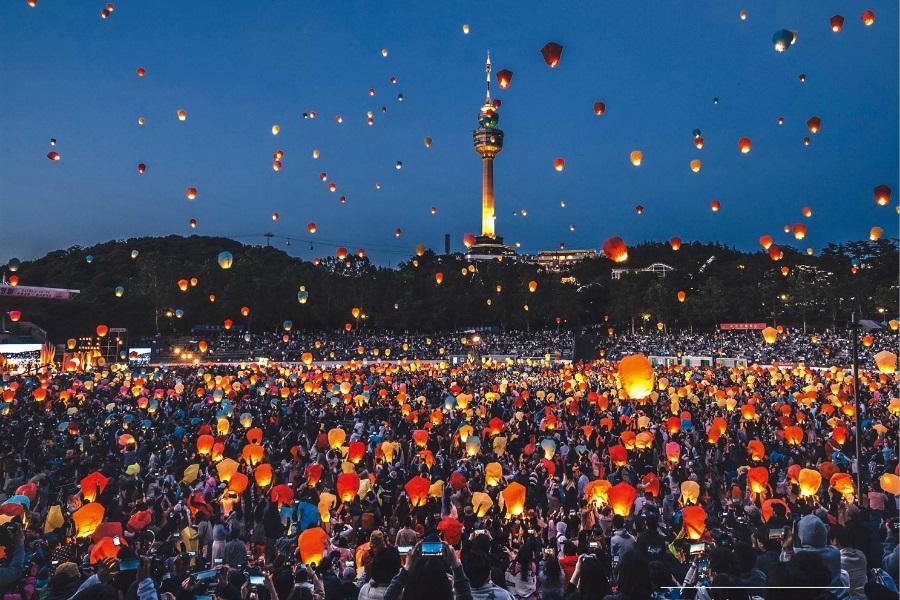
x=882 y=195
x=88 y=518
x=636 y=376
x=693 y=520
x=493 y=474
x=673 y=452
x=615 y=250
x=758 y=479
x=263 y=475
x=770 y=334
x=417 y=490
x=890 y=483
x=514 y=498
x=93 y=485
x=205 y=443
x=636 y=157
x=336 y=437
x=886 y=362
x=225 y=469
x=481 y=503
x=313 y=474
x=597 y=492
x=552 y=52
x=347 y=486
x=744 y=145
x=793 y=435
x=312 y=543
x=622 y=497
x=225 y=259
x=253 y=454
x=690 y=492
x=867 y=17
x=810 y=481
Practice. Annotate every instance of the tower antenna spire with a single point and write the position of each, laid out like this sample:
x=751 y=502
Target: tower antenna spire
x=487 y=77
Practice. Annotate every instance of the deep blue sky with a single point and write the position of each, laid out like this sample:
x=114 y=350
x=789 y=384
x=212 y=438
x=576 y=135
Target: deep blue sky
x=238 y=67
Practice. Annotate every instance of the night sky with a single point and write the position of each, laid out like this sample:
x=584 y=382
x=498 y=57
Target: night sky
x=239 y=67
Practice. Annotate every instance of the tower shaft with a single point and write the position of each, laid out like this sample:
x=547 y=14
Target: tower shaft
x=487 y=196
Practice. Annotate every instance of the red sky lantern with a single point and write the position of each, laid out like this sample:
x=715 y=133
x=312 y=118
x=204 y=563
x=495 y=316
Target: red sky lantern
x=504 y=77
x=622 y=497
x=417 y=490
x=552 y=52
x=348 y=486
x=615 y=249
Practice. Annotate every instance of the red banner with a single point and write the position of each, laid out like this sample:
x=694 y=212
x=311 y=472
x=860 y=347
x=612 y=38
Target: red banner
x=727 y=326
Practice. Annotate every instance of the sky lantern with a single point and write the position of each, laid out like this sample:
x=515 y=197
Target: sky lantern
x=347 y=486
x=182 y=114
x=615 y=249
x=93 y=485
x=886 y=361
x=313 y=474
x=875 y=233
x=514 y=498
x=226 y=469
x=837 y=23
x=783 y=39
x=263 y=475
x=793 y=435
x=336 y=437
x=481 y=503
x=894 y=324
x=814 y=124
x=696 y=165
x=493 y=474
x=675 y=243
x=765 y=241
x=882 y=195
x=559 y=164
x=225 y=259
x=356 y=451
x=770 y=334
x=15 y=315
x=420 y=437
x=799 y=231
x=312 y=544
x=599 y=108
x=694 y=522
x=636 y=376
x=681 y=295
x=698 y=142
x=618 y=455
x=690 y=492
x=673 y=452
x=715 y=205
x=102 y=330
x=88 y=518
x=868 y=340
x=439 y=278
x=636 y=157
x=621 y=498
x=810 y=481
x=552 y=52
x=417 y=491
x=755 y=448
x=468 y=240
x=744 y=145
x=183 y=284
x=775 y=252
x=253 y=454
x=597 y=492
x=53 y=155
x=532 y=286
x=890 y=483
x=341 y=253
x=867 y=17
x=427 y=141
x=843 y=484
x=758 y=480
x=504 y=77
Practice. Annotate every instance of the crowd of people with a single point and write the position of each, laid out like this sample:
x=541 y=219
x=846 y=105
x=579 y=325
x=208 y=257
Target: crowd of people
x=342 y=345
x=821 y=349
x=508 y=480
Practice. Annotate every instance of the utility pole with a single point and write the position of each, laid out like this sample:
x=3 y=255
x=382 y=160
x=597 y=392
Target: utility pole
x=268 y=237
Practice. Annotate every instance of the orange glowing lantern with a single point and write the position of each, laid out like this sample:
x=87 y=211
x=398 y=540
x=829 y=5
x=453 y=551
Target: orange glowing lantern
x=622 y=497
x=810 y=481
x=88 y=518
x=312 y=543
x=514 y=498
x=417 y=490
x=636 y=376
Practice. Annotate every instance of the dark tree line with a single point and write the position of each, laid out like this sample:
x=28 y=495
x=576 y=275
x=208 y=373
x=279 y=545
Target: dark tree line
x=720 y=284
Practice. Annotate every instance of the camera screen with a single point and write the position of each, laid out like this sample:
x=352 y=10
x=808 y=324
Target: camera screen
x=432 y=548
